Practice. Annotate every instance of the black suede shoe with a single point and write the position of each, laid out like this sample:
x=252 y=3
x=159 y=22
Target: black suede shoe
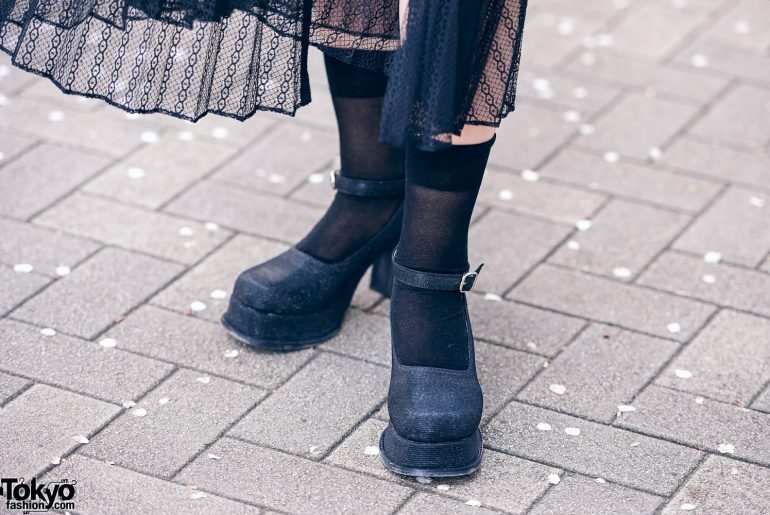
x=294 y=300
x=434 y=412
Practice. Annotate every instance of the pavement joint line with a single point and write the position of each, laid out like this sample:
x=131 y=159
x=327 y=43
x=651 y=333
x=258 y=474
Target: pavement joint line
x=552 y=464
x=554 y=249
x=98 y=430
x=682 y=230
x=146 y=300
x=707 y=20
x=756 y=396
x=19 y=392
x=683 y=482
x=593 y=320
x=513 y=397
x=216 y=168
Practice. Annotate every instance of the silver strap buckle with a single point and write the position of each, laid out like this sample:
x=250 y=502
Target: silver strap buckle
x=333 y=179
x=469 y=279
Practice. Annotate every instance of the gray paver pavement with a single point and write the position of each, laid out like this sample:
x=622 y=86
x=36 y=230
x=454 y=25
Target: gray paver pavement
x=648 y=118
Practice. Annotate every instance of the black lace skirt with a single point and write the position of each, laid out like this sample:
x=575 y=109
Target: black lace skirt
x=457 y=64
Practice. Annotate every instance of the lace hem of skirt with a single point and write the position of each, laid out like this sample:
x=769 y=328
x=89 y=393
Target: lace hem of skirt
x=188 y=58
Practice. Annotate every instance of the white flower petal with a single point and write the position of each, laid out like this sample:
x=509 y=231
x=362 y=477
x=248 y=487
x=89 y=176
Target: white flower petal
x=372 y=450
x=558 y=389
x=682 y=373
x=554 y=479
x=544 y=426
x=572 y=431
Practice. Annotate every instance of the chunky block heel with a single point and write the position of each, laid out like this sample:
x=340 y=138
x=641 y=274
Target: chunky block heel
x=382 y=273
x=429 y=459
x=294 y=300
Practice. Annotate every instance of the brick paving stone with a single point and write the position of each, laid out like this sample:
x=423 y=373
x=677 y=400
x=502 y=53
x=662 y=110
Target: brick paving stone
x=38 y=427
x=721 y=485
x=12 y=144
x=288 y=483
x=95 y=294
x=282 y=160
x=618 y=68
x=77 y=364
x=320 y=111
x=652 y=30
x=509 y=245
x=605 y=367
x=722 y=284
x=734 y=118
x=10 y=386
x=553 y=31
x=154 y=233
x=502 y=372
x=153 y=444
x=732 y=226
x=227 y=131
x=637 y=124
x=570 y=93
x=606 y=300
x=111 y=135
x=503 y=482
x=728 y=360
x=726 y=60
x=42 y=176
x=521 y=327
x=751 y=13
x=678 y=416
x=162 y=334
x=156 y=173
x=762 y=402
x=17 y=287
x=316 y=407
x=580 y=495
x=217 y=272
x=622 y=239
x=316 y=190
x=45 y=91
x=653 y=465
x=626 y=179
x=253 y=213
x=364 y=336
x=437 y=505
x=553 y=202
x=112 y=490
x=721 y=163
x=12 y=79
x=537 y=133
x=44 y=249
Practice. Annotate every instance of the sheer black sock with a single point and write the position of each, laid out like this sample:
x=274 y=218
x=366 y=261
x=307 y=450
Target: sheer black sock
x=441 y=190
x=350 y=221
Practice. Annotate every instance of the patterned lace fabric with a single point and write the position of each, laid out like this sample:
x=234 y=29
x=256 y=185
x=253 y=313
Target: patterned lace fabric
x=457 y=64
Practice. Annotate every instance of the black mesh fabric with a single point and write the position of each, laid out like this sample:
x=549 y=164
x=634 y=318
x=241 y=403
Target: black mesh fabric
x=350 y=221
x=428 y=326
x=187 y=58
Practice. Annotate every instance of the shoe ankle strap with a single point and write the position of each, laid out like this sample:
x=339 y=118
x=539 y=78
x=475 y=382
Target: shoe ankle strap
x=366 y=187
x=435 y=281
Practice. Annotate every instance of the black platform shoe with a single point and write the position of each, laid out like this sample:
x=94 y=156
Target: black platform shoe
x=294 y=300
x=434 y=412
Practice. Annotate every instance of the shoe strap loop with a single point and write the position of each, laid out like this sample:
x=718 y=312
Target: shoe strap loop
x=366 y=187
x=436 y=281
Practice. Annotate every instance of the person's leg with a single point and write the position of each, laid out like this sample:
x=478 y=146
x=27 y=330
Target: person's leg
x=441 y=191
x=435 y=399
x=299 y=298
x=351 y=220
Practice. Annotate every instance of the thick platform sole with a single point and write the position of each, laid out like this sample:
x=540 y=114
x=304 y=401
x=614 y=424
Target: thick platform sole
x=286 y=332
x=422 y=459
